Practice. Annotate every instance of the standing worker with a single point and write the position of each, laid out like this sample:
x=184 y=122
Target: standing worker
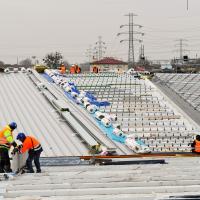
x=62 y=69
x=6 y=141
x=77 y=69
x=196 y=145
x=34 y=149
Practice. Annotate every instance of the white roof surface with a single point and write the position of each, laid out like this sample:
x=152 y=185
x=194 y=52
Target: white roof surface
x=180 y=176
x=22 y=102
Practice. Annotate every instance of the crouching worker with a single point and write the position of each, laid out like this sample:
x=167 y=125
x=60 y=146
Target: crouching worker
x=34 y=149
x=6 y=141
x=196 y=145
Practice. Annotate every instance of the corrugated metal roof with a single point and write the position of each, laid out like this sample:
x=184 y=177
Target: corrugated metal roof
x=127 y=182
x=22 y=102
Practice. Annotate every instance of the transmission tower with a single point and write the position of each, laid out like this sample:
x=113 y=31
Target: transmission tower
x=89 y=53
x=131 y=39
x=99 y=48
x=181 y=44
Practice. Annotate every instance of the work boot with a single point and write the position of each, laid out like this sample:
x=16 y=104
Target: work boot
x=8 y=170
x=29 y=171
x=38 y=170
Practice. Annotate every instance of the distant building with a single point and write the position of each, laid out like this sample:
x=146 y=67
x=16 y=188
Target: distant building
x=108 y=64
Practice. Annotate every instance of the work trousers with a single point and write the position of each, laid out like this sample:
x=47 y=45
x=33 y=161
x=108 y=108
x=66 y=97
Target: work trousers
x=34 y=155
x=4 y=160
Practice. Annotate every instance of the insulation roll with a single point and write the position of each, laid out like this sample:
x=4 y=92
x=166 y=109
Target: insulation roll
x=23 y=70
x=7 y=71
x=65 y=85
x=118 y=132
x=86 y=104
x=111 y=117
x=29 y=70
x=106 y=122
x=68 y=89
x=15 y=70
x=79 y=100
x=92 y=109
x=99 y=115
x=117 y=126
x=74 y=94
x=82 y=94
x=85 y=99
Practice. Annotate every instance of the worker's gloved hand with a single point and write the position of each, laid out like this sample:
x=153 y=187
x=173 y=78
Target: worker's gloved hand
x=14 y=144
x=15 y=150
x=19 y=147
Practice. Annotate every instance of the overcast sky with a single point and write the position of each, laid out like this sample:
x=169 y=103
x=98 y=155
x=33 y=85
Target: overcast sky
x=37 y=27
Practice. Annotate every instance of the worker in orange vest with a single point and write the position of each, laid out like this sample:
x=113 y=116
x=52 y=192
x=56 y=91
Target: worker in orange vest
x=34 y=149
x=78 y=69
x=196 y=145
x=6 y=141
x=95 y=69
x=62 y=69
x=73 y=69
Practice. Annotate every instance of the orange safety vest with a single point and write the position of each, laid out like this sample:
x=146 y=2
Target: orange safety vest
x=95 y=69
x=197 y=146
x=72 y=70
x=78 y=70
x=3 y=138
x=30 y=143
x=62 y=69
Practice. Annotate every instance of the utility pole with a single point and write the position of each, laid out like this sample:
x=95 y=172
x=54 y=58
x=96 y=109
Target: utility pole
x=100 y=48
x=142 y=52
x=131 y=39
x=187 y=4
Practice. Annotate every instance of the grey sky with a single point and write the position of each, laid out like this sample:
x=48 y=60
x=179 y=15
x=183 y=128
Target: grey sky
x=37 y=27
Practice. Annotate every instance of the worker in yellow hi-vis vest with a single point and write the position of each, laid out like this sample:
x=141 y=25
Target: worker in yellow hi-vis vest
x=6 y=141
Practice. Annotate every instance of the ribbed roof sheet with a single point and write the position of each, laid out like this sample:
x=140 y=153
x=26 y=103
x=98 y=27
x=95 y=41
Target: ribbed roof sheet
x=22 y=102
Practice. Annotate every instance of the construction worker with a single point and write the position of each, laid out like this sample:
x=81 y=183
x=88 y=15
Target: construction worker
x=6 y=141
x=95 y=69
x=77 y=69
x=196 y=145
x=62 y=69
x=34 y=148
x=73 y=69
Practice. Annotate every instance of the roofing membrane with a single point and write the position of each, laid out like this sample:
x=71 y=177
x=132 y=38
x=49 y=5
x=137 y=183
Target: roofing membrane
x=24 y=103
x=141 y=109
